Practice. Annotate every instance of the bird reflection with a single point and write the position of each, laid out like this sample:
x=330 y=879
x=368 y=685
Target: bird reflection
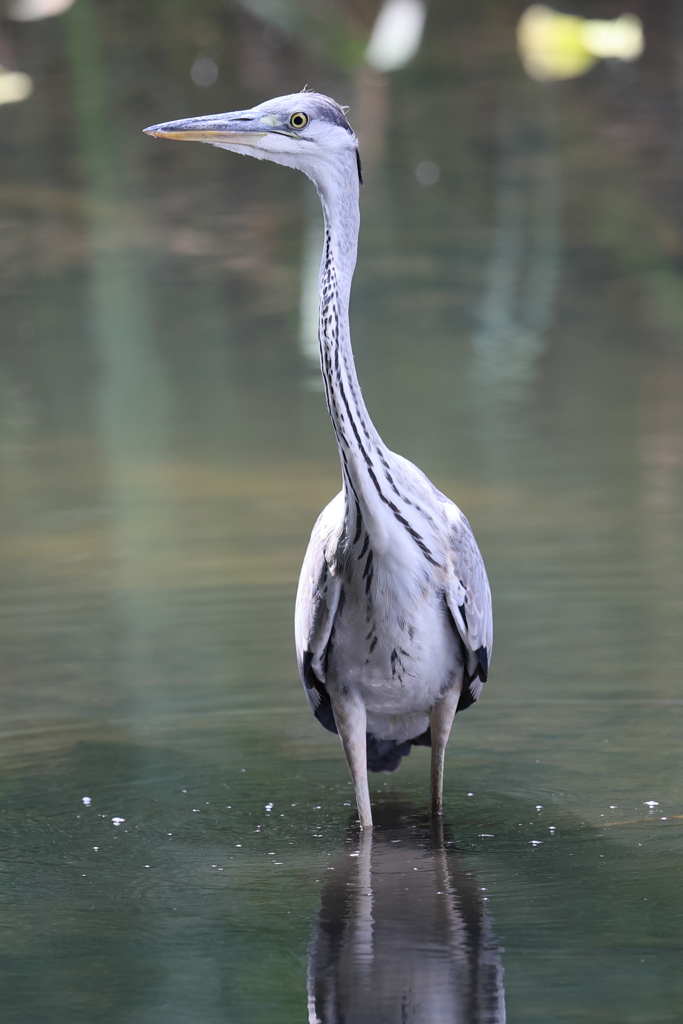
x=402 y=934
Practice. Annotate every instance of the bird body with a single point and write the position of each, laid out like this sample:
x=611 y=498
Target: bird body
x=373 y=608
x=393 y=612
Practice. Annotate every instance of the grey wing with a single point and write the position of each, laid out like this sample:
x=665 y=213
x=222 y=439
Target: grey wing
x=317 y=601
x=468 y=596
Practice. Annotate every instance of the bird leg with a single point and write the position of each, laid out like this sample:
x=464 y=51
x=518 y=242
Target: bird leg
x=440 y=720
x=349 y=714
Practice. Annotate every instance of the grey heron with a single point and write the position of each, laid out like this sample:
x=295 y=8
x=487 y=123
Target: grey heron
x=393 y=616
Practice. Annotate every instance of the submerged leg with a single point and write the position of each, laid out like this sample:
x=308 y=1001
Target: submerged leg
x=440 y=720
x=349 y=714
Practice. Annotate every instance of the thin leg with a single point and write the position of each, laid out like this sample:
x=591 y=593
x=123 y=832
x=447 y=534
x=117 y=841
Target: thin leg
x=440 y=720
x=349 y=714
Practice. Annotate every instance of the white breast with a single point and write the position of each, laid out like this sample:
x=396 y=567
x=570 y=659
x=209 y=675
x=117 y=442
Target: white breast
x=398 y=649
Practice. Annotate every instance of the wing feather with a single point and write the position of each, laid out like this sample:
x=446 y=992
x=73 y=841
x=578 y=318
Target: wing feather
x=468 y=597
x=317 y=601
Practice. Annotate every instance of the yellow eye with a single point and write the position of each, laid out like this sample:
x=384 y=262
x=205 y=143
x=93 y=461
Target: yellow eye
x=298 y=120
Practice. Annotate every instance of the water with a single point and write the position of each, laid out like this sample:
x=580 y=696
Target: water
x=164 y=450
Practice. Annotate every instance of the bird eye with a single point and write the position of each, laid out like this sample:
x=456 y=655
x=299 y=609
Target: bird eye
x=298 y=120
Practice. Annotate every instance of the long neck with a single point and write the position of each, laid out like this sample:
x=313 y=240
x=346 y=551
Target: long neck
x=376 y=485
x=357 y=438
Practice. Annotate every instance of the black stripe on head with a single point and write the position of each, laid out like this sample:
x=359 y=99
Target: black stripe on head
x=327 y=109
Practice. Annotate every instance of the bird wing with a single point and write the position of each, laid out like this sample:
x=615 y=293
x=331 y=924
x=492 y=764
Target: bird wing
x=317 y=601
x=468 y=597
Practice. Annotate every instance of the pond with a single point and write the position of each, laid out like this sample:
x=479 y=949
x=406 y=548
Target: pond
x=178 y=835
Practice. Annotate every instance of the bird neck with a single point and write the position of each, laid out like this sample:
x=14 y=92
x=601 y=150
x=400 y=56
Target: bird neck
x=357 y=438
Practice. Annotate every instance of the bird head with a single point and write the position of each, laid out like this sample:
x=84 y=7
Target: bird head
x=305 y=130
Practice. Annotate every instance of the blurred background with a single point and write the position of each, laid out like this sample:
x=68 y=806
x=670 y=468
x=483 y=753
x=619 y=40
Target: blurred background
x=168 y=804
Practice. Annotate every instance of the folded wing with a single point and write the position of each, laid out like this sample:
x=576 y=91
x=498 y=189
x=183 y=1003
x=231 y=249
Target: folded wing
x=317 y=601
x=468 y=597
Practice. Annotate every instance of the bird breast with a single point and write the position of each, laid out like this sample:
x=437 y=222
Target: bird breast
x=393 y=639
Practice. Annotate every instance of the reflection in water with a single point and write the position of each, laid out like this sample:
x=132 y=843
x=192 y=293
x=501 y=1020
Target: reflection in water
x=521 y=279
x=133 y=403
x=403 y=935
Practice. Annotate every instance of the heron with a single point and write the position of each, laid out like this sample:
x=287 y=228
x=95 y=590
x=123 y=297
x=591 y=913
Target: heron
x=393 y=622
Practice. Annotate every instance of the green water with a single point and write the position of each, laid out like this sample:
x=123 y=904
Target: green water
x=164 y=451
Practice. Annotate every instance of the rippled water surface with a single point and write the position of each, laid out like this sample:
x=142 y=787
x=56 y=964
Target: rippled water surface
x=178 y=838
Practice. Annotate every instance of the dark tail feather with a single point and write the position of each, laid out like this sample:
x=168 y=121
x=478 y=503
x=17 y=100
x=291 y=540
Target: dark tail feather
x=386 y=755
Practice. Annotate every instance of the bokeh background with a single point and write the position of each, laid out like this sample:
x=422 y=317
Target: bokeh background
x=167 y=802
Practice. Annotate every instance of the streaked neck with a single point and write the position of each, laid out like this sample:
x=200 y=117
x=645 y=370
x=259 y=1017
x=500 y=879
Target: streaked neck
x=380 y=515
x=354 y=430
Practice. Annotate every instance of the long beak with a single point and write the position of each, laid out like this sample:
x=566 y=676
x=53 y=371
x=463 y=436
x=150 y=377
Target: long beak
x=240 y=128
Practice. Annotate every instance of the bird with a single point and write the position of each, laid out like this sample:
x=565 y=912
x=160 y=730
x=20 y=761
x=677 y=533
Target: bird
x=393 y=619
